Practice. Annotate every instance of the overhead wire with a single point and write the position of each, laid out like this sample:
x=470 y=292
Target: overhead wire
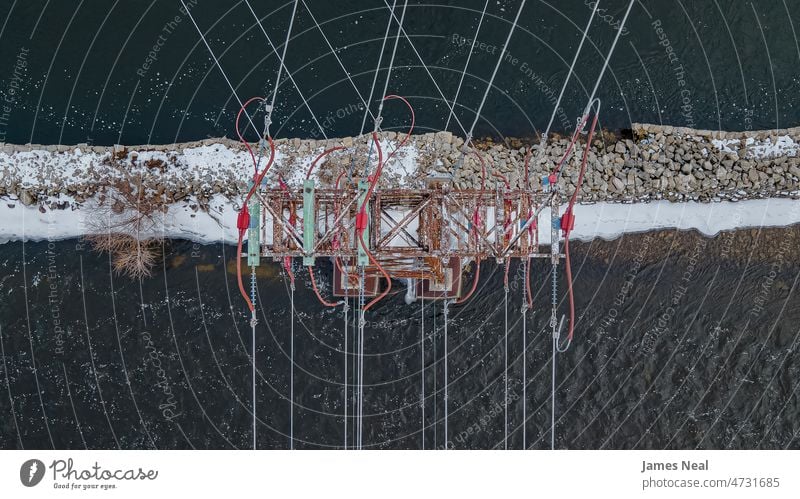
x=378 y=119
x=526 y=263
x=567 y=222
x=468 y=138
x=425 y=67
x=283 y=67
x=335 y=55
x=243 y=220
x=544 y=137
x=282 y=64
x=466 y=65
x=214 y=57
x=291 y=371
x=373 y=181
x=496 y=68
x=346 y=327
x=505 y=356
x=377 y=69
x=422 y=365
x=445 y=320
x=286 y=69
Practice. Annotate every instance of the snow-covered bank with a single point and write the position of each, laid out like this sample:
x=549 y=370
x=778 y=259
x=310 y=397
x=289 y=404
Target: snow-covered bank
x=658 y=177
x=655 y=162
x=600 y=220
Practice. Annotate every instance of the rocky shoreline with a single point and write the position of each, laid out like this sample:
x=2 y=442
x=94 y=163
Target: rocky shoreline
x=648 y=162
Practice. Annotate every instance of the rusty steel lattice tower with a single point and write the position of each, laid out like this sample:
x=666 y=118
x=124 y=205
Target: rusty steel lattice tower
x=429 y=234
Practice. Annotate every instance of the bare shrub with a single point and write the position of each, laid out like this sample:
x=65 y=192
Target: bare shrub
x=124 y=223
x=132 y=257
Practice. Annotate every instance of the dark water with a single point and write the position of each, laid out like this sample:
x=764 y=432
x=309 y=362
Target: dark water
x=681 y=342
x=86 y=78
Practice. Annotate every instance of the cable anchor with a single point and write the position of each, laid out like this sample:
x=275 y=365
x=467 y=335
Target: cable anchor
x=267 y=118
x=557 y=337
x=378 y=122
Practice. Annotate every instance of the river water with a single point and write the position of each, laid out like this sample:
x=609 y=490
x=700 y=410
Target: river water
x=83 y=71
x=681 y=342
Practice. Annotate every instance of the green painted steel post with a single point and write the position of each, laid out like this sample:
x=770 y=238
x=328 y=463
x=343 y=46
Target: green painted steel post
x=363 y=187
x=309 y=222
x=253 y=235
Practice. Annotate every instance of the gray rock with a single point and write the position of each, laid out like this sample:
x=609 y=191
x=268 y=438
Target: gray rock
x=27 y=198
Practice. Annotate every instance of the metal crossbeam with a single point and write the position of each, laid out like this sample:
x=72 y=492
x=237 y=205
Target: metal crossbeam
x=407 y=226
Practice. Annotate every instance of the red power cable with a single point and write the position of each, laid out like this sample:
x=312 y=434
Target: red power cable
x=382 y=271
x=474 y=283
x=571 y=144
x=377 y=173
x=243 y=218
x=527 y=166
x=475 y=222
x=375 y=176
x=410 y=129
x=568 y=223
x=507 y=205
x=336 y=260
x=310 y=268
x=316 y=290
x=322 y=155
x=361 y=225
x=533 y=232
x=238 y=133
x=476 y=216
x=503 y=178
x=361 y=216
x=239 y=274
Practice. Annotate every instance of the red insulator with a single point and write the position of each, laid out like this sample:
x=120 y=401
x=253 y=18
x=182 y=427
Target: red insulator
x=361 y=221
x=243 y=220
x=239 y=134
x=567 y=221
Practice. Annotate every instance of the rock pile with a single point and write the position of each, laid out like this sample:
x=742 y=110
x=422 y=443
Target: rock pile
x=645 y=163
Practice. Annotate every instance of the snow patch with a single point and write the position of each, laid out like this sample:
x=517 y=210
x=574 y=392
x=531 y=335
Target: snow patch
x=771 y=147
x=600 y=220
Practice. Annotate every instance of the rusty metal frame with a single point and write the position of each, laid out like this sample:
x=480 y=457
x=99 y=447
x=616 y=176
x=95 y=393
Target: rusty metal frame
x=444 y=219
